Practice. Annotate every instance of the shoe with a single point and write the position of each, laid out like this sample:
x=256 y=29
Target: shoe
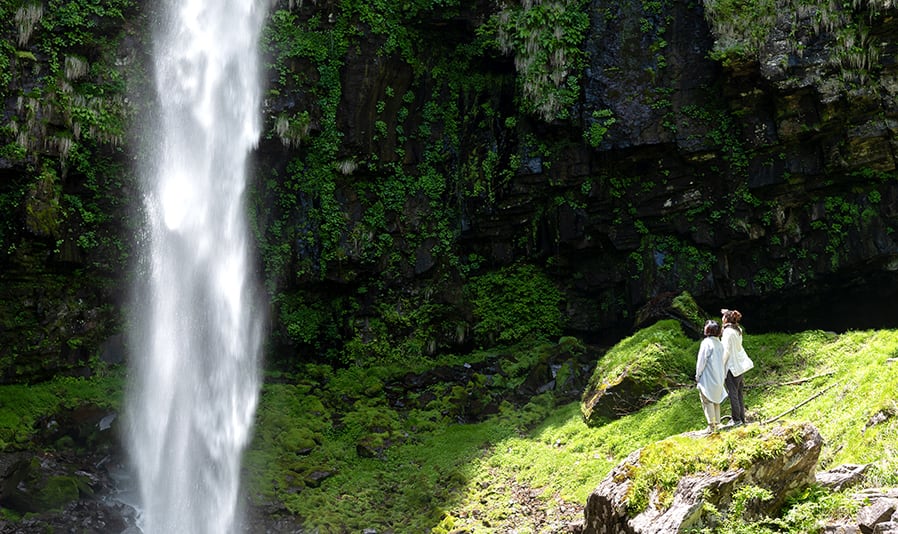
x=738 y=423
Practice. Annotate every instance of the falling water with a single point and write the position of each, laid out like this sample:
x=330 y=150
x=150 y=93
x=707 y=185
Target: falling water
x=197 y=333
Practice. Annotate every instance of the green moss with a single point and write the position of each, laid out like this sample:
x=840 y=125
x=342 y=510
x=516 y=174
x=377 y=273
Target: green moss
x=21 y=406
x=399 y=483
x=545 y=39
x=59 y=491
x=686 y=306
x=601 y=121
x=806 y=510
x=741 y=29
x=42 y=209
x=654 y=357
x=514 y=304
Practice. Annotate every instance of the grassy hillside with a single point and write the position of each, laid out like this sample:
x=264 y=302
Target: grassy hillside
x=345 y=450
x=522 y=469
x=567 y=459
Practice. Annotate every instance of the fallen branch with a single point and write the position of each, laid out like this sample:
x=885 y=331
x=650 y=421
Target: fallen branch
x=799 y=405
x=791 y=382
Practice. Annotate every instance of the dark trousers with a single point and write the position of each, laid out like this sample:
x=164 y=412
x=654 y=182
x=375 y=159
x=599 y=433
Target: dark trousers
x=734 y=386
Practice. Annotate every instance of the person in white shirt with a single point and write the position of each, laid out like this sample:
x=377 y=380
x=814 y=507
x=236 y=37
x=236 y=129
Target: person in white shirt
x=736 y=362
x=710 y=374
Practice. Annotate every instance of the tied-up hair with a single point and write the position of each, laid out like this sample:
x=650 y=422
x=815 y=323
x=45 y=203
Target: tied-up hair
x=731 y=318
x=712 y=329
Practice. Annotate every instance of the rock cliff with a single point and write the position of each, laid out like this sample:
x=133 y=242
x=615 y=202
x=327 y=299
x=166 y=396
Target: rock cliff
x=623 y=149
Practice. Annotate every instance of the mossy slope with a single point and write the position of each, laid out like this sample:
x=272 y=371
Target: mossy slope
x=341 y=451
x=441 y=475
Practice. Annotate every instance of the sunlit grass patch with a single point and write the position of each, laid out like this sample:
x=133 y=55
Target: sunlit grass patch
x=860 y=383
x=565 y=457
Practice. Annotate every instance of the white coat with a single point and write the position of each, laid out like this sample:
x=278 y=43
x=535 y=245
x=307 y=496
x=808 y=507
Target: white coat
x=734 y=357
x=710 y=371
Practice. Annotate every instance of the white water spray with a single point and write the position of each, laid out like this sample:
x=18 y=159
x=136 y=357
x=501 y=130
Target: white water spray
x=197 y=337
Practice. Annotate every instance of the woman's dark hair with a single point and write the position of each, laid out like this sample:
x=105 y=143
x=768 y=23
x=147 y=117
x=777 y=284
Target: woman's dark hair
x=712 y=329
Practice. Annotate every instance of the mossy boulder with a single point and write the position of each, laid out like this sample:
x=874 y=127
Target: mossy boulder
x=637 y=371
x=33 y=487
x=687 y=482
x=679 y=306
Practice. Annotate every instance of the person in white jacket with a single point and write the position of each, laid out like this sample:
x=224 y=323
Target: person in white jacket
x=736 y=362
x=710 y=374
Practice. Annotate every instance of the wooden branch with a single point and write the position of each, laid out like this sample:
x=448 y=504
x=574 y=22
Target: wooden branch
x=791 y=382
x=799 y=405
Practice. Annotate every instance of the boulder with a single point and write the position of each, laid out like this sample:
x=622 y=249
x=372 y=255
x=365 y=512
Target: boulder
x=841 y=477
x=671 y=305
x=630 y=501
x=876 y=514
x=887 y=527
x=637 y=371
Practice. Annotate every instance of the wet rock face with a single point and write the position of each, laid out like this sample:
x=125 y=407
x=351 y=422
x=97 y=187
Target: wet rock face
x=89 y=517
x=748 y=182
x=639 y=57
x=69 y=478
x=763 y=182
x=756 y=184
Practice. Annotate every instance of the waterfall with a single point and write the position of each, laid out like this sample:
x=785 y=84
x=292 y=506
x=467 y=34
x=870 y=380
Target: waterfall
x=197 y=331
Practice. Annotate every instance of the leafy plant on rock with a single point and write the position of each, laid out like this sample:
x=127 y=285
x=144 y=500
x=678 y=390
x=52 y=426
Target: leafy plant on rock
x=545 y=39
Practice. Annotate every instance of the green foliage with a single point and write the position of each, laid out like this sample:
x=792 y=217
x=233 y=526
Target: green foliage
x=311 y=320
x=545 y=38
x=677 y=261
x=6 y=54
x=722 y=133
x=810 y=509
x=741 y=29
x=96 y=215
x=689 y=309
x=395 y=22
x=81 y=16
x=515 y=303
x=842 y=216
x=343 y=213
x=21 y=406
x=65 y=69
x=807 y=511
x=333 y=450
x=42 y=212
x=603 y=119
x=89 y=96
x=58 y=491
x=311 y=209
